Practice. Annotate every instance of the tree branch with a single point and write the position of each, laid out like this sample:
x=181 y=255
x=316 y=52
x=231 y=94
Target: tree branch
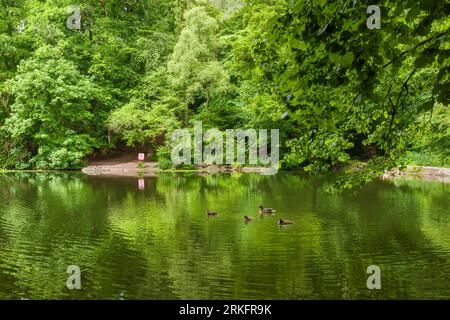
x=435 y=37
x=399 y=98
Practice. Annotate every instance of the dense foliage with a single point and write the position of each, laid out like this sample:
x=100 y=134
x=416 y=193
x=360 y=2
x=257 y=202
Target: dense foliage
x=136 y=70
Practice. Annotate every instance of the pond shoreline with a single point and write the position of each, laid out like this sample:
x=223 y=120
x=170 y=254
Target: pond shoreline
x=152 y=168
x=131 y=169
x=423 y=172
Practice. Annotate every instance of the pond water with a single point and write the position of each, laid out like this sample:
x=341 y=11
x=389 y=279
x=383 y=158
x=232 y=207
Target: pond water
x=152 y=239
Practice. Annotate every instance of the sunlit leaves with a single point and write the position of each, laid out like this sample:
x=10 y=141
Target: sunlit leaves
x=53 y=112
x=343 y=78
x=194 y=67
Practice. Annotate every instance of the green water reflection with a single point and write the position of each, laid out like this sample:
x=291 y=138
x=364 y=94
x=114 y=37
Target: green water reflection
x=158 y=243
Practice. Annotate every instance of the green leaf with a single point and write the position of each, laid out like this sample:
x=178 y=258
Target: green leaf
x=347 y=59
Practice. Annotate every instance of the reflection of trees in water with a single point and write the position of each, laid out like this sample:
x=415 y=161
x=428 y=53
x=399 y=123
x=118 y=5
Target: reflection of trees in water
x=158 y=243
x=386 y=224
x=198 y=254
x=50 y=222
x=428 y=195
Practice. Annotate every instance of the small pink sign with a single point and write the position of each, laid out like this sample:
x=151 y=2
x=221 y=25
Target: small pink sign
x=141 y=157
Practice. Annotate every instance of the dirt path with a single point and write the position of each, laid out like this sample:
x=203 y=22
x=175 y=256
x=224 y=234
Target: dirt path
x=126 y=165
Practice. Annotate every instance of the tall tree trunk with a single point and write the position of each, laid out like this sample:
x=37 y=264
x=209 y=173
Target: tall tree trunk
x=103 y=4
x=207 y=101
x=5 y=101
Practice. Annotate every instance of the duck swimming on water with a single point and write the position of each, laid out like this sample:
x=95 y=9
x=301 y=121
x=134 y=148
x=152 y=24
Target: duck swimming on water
x=263 y=210
x=283 y=222
x=248 y=219
x=212 y=213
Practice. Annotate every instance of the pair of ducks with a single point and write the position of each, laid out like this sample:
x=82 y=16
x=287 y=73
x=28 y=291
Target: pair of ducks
x=262 y=211
x=268 y=211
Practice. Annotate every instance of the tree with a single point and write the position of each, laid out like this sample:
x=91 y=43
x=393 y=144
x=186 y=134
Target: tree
x=53 y=120
x=150 y=115
x=193 y=66
x=345 y=85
